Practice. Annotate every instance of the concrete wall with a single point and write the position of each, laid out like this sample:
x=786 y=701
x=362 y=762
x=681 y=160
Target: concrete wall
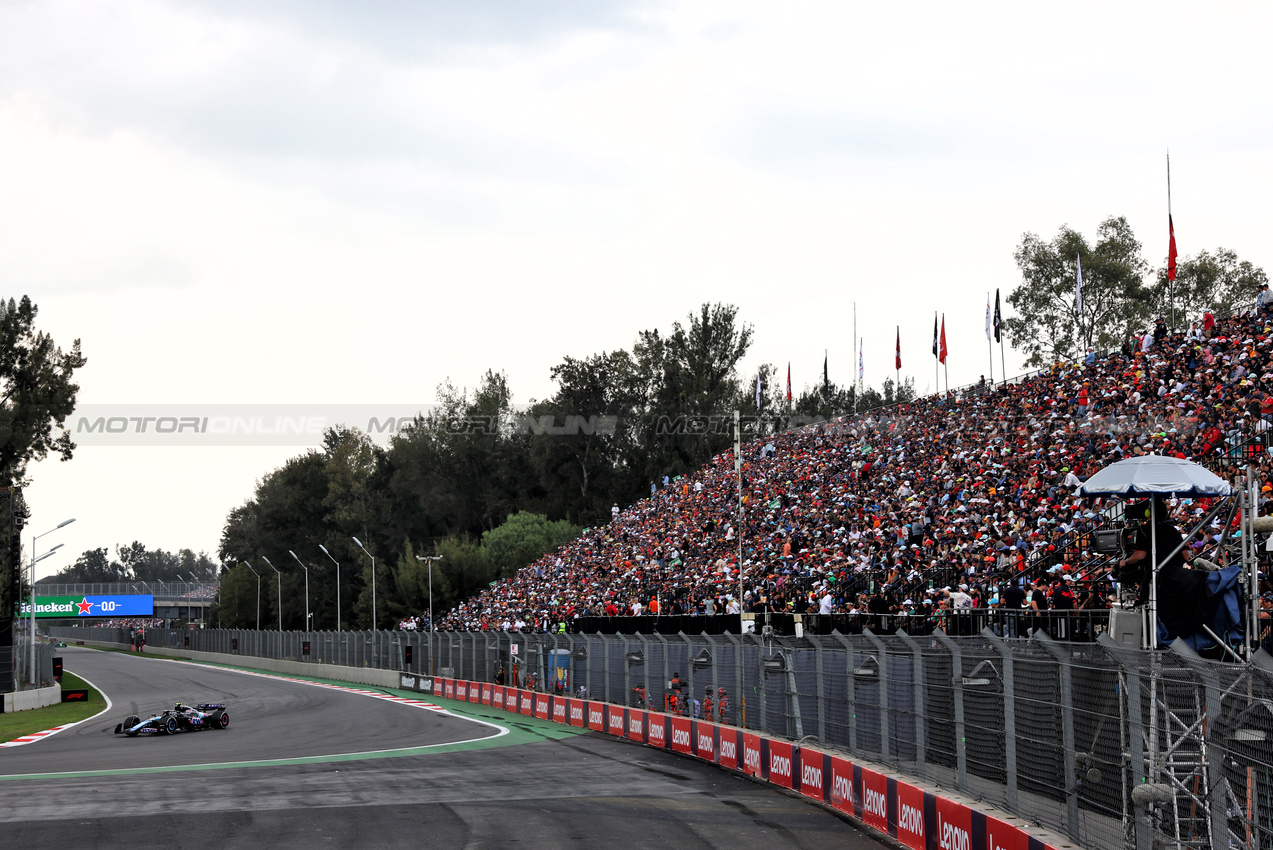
x=35 y=698
x=357 y=675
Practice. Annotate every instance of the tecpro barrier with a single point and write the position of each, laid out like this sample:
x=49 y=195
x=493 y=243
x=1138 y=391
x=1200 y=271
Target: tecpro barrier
x=916 y=818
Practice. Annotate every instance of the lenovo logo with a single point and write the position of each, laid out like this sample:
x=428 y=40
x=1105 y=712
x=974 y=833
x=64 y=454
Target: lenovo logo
x=576 y=712
x=595 y=717
x=704 y=743
x=951 y=837
x=811 y=777
x=656 y=733
x=910 y=819
x=616 y=722
x=841 y=787
x=751 y=758
x=780 y=765
x=874 y=803
x=728 y=749
x=681 y=737
x=634 y=725
x=559 y=710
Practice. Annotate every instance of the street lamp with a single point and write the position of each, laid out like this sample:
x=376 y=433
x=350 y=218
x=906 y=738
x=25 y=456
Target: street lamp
x=429 y=559
x=258 y=594
x=373 y=580
x=337 y=563
x=280 y=592
x=34 y=560
x=306 y=569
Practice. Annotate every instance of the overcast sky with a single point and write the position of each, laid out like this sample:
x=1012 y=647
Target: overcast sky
x=328 y=203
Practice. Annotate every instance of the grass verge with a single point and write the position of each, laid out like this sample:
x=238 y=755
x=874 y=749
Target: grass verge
x=21 y=723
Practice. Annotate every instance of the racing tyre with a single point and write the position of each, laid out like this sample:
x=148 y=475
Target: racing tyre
x=223 y=722
x=129 y=722
x=171 y=726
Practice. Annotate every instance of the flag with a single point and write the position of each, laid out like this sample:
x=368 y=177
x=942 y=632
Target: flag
x=941 y=352
x=1171 y=250
x=998 y=320
x=898 y=361
x=989 y=331
x=861 y=362
x=934 y=333
x=788 y=380
x=826 y=382
x=759 y=399
x=1078 y=284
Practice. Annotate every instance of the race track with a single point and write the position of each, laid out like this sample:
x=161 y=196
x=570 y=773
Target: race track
x=303 y=766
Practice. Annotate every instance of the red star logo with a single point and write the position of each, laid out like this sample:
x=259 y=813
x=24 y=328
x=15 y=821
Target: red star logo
x=86 y=607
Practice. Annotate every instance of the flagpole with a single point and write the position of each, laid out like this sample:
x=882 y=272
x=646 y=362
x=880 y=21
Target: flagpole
x=990 y=343
x=945 y=368
x=898 y=382
x=1171 y=284
x=855 y=336
x=936 y=359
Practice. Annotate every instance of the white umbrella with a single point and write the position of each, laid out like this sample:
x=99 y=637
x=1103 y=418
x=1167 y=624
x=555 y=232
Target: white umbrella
x=1155 y=475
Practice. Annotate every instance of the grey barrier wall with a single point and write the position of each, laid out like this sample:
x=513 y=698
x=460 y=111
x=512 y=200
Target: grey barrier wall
x=1110 y=746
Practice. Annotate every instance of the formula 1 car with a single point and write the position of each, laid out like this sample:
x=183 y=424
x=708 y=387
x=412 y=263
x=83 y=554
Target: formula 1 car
x=180 y=718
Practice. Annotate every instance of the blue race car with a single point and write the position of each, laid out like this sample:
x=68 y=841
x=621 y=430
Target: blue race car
x=180 y=718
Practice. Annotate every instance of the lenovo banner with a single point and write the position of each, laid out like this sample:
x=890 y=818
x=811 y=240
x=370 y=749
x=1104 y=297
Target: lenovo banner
x=841 y=784
x=705 y=741
x=728 y=747
x=910 y=815
x=753 y=753
x=636 y=725
x=813 y=774
x=541 y=706
x=497 y=697
x=578 y=713
x=486 y=694
x=561 y=710
x=614 y=720
x=780 y=763
x=597 y=716
x=656 y=730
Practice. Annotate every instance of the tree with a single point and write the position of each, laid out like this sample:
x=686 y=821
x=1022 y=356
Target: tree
x=1218 y=282
x=37 y=393
x=1116 y=301
x=92 y=567
x=523 y=539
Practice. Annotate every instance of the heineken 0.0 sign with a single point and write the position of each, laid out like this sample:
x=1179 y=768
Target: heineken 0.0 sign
x=90 y=606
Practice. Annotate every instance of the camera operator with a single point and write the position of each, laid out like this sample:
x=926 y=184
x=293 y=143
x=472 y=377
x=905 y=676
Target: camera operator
x=1184 y=601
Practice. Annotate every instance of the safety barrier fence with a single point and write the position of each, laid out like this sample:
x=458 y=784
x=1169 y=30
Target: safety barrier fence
x=1112 y=747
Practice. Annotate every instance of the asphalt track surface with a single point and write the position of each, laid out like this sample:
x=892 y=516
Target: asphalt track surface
x=305 y=766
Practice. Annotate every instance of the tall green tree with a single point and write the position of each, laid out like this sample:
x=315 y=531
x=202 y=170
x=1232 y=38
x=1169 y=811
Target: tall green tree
x=1217 y=281
x=37 y=393
x=1047 y=325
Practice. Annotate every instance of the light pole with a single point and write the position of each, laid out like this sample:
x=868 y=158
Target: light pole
x=34 y=559
x=429 y=559
x=258 y=594
x=373 y=580
x=337 y=563
x=306 y=569
x=280 y=594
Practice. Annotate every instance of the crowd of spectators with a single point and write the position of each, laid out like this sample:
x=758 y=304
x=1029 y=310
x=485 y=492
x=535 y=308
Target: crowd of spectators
x=960 y=500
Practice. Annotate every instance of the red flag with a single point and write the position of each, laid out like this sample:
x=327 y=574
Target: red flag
x=1171 y=250
x=898 y=361
x=788 y=380
x=941 y=352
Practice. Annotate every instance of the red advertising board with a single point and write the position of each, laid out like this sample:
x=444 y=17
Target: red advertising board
x=910 y=816
x=681 y=740
x=486 y=694
x=636 y=725
x=527 y=703
x=1004 y=836
x=874 y=800
x=614 y=720
x=840 y=784
x=705 y=741
x=578 y=712
x=728 y=747
x=497 y=696
x=780 y=763
x=953 y=826
x=656 y=730
x=541 y=706
x=461 y=692
x=448 y=688
x=751 y=756
x=475 y=692
x=597 y=716
x=561 y=710
x=511 y=698
x=813 y=779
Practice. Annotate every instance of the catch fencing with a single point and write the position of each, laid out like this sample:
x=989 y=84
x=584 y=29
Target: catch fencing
x=1110 y=746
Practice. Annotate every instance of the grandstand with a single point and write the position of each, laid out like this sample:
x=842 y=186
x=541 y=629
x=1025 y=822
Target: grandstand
x=921 y=508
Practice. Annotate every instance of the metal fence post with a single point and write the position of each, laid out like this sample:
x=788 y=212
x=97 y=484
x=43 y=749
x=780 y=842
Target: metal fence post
x=1067 y=729
x=921 y=716
x=606 y=670
x=850 y=687
x=957 y=685
x=881 y=666
x=1009 y=716
x=821 y=695
x=738 y=675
